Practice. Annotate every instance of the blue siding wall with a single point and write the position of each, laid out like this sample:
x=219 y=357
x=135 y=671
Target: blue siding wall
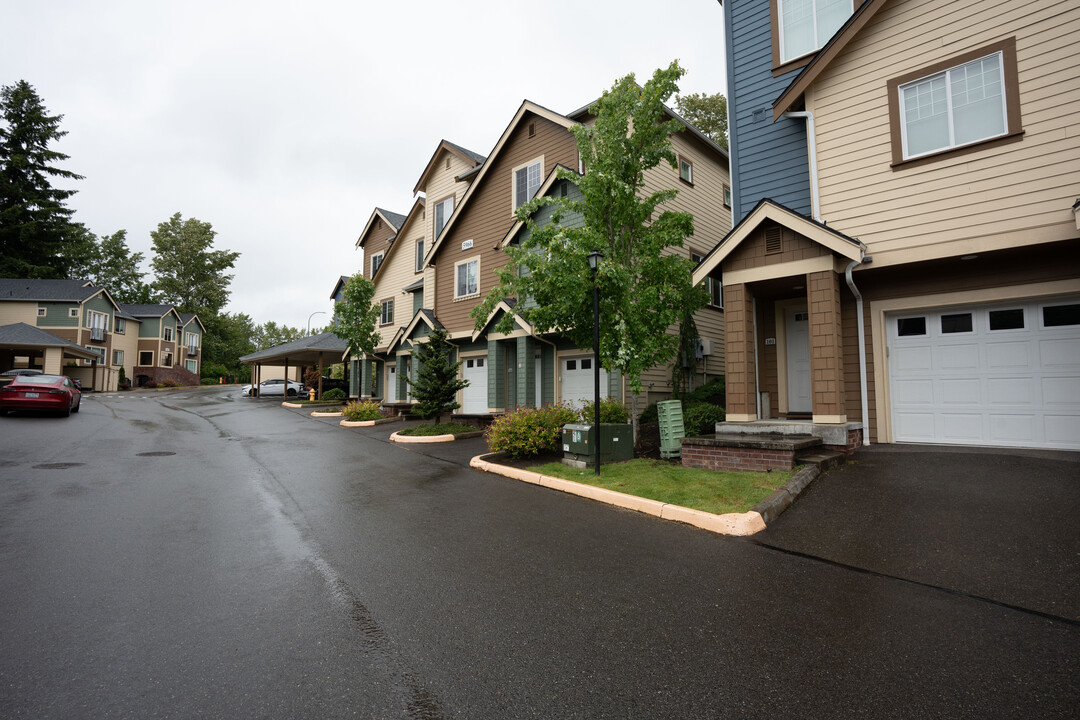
x=768 y=159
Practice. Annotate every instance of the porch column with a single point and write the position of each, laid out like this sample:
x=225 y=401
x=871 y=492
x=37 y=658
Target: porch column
x=826 y=354
x=739 y=353
x=53 y=360
x=526 y=372
x=319 y=394
x=496 y=361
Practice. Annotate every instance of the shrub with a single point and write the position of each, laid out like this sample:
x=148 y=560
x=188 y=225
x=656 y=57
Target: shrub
x=213 y=370
x=700 y=418
x=361 y=410
x=311 y=377
x=526 y=432
x=611 y=411
x=712 y=392
x=209 y=381
x=335 y=394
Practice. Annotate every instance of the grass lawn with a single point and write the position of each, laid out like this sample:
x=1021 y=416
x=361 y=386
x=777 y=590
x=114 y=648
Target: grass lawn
x=440 y=429
x=715 y=492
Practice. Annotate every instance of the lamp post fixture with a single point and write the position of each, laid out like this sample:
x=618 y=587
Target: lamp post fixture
x=594 y=262
x=317 y=312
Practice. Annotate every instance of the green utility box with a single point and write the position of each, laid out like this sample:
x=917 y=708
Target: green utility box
x=579 y=448
x=671 y=428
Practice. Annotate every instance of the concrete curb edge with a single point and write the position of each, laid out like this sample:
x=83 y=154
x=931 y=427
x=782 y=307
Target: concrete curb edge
x=781 y=499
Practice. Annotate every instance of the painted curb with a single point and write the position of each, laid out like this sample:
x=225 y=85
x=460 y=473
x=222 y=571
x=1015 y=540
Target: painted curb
x=358 y=423
x=291 y=405
x=737 y=524
x=422 y=438
x=316 y=413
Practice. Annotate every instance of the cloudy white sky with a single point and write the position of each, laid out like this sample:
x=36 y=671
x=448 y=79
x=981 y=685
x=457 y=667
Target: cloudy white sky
x=284 y=123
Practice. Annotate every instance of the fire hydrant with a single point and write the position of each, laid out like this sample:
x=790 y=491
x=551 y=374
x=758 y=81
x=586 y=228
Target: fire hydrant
x=311 y=394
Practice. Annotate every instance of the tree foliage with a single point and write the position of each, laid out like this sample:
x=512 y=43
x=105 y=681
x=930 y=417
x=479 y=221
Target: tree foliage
x=109 y=263
x=189 y=274
x=270 y=334
x=229 y=336
x=708 y=113
x=437 y=384
x=356 y=317
x=36 y=230
x=644 y=289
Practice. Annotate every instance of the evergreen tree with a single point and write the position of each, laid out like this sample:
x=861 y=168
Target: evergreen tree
x=36 y=231
x=436 y=386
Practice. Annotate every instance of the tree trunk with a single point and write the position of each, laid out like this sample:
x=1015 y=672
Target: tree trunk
x=634 y=416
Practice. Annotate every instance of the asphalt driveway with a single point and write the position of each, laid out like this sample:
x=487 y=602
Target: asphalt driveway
x=1002 y=525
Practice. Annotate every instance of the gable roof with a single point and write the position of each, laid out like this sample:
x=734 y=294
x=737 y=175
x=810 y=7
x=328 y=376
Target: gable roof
x=506 y=305
x=304 y=350
x=527 y=106
x=392 y=219
x=416 y=211
x=404 y=332
x=445 y=145
x=824 y=56
x=151 y=311
x=63 y=290
x=767 y=209
x=20 y=335
x=186 y=318
x=338 y=285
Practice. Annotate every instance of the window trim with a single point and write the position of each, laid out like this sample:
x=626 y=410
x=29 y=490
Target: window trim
x=167 y=333
x=725 y=195
x=689 y=166
x=42 y=312
x=514 y=204
x=435 y=233
x=459 y=263
x=375 y=268
x=383 y=304
x=119 y=326
x=714 y=287
x=782 y=67
x=418 y=244
x=73 y=312
x=1014 y=130
x=117 y=357
x=99 y=351
x=150 y=353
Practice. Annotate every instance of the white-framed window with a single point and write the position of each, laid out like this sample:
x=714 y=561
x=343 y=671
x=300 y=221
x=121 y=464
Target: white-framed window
x=386 y=315
x=41 y=312
x=168 y=334
x=686 y=170
x=443 y=210
x=376 y=261
x=467 y=278
x=960 y=106
x=806 y=25
x=191 y=339
x=117 y=357
x=73 y=312
x=192 y=366
x=527 y=180
x=121 y=326
x=166 y=359
x=146 y=358
x=714 y=286
x=420 y=255
x=99 y=351
x=727 y=196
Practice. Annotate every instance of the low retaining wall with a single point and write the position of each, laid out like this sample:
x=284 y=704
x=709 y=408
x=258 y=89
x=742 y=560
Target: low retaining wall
x=745 y=453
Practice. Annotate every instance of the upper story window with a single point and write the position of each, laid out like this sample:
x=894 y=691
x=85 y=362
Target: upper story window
x=386 y=314
x=805 y=26
x=443 y=210
x=727 y=196
x=527 y=180
x=420 y=255
x=686 y=170
x=41 y=312
x=73 y=312
x=957 y=103
x=376 y=261
x=168 y=334
x=467 y=278
x=713 y=286
x=121 y=325
x=191 y=340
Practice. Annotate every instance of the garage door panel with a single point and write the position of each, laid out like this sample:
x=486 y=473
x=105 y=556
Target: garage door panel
x=1063 y=430
x=1012 y=429
x=961 y=392
x=917 y=426
x=1060 y=391
x=959 y=357
x=913 y=358
x=1005 y=355
x=1063 y=353
x=961 y=427
x=916 y=392
x=1011 y=391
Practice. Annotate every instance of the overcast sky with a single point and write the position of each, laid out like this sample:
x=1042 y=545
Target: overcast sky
x=285 y=123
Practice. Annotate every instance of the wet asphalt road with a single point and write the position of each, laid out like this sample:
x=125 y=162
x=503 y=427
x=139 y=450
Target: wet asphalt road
x=214 y=556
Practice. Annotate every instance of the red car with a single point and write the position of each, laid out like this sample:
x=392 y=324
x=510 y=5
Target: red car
x=40 y=392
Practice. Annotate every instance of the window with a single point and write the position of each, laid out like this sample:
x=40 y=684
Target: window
x=727 y=197
x=908 y=327
x=713 y=286
x=958 y=103
x=956 y=323
x=420 y=255
x=571 y=364
x=192 y=366
x=99 y=351
x=121 y=325
x=73 y=312
x=805 y=26
x=1061 y=315
x=686 y=170
x=443 y=210
x=192 y=342
x=146 y=357
x=376 y=261
x=166 y=360
x=117 y=357
x=386 y=316
x=467 y=274
x=527 y=180
x=586 y=363
x=168 y=335
x=1012 y=319
x=41 y=312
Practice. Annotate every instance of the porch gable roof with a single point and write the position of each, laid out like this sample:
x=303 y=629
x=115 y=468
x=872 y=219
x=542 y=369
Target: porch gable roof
x=506 y=306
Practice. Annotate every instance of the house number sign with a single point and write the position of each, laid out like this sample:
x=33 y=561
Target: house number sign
x=466 y=245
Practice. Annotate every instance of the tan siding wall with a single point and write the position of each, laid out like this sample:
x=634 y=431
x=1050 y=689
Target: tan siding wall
x=16 y=312
x=441 y=185
x=129 y=343
x=378 y=241
x=1014 y=194
x=489 y=215
x=396 y=273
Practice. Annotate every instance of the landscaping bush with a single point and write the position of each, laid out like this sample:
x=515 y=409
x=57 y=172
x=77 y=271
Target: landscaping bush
x=361 y=410
x=213 y=370
x=712 y=392
x=700 y=418
x=334 y=394
x=209 y=381
x=527 y=432
x=611 y=411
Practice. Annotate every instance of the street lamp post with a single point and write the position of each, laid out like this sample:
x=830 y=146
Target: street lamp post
x=317 y=312
x=594 y=262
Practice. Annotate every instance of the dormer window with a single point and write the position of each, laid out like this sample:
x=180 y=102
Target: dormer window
x=443 y=210
x=806 y=25
x=527 y=180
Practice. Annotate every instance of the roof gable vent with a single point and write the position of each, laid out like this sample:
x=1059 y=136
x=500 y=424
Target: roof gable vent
x=774 y=240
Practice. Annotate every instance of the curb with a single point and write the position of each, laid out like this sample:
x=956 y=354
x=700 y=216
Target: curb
x=317 y=413
x=781 y=499
x=368 y=423
x=737 y=524
x=422 y=438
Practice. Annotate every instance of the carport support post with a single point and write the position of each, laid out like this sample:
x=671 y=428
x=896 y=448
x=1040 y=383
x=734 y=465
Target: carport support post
x=285 y=390
x=320 y=376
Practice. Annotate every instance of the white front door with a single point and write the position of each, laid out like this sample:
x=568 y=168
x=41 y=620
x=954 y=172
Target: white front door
x=391 y=384
x=577 y=380
x=474 y=397
x=797 y=337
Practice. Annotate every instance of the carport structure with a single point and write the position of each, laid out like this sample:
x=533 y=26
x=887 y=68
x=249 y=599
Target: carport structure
x=315 y=349
x=42 y=348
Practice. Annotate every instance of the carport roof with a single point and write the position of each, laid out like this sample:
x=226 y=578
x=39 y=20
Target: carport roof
x=297 y=352
x=20 y=336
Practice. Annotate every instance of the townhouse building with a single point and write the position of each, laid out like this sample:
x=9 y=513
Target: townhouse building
x=167 y=345
x=905 y=260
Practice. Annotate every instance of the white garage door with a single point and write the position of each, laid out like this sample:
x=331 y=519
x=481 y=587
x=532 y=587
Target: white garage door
x=1006 y=374
x=577 y=380
x=474 y=397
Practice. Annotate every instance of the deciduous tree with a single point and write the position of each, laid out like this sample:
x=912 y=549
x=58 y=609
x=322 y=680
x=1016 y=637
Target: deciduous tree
x=356 y=317
x=189 y=274
x=708 y=113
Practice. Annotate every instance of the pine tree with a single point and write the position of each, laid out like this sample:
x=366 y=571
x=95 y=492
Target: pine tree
x=36 y=230
x=436 y=386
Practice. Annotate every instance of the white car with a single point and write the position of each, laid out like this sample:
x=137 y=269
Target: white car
x=275 y=387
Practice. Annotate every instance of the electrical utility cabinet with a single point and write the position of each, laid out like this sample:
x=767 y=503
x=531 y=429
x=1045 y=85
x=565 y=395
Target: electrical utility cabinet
x=669 y=413
x=579 y=443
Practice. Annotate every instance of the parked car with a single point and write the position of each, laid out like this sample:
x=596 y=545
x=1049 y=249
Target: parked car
x=9 y=375
x=275 y=387
x=40 y=392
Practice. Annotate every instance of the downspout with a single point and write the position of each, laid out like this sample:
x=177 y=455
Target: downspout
x=811 y=142
x=864 y=259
